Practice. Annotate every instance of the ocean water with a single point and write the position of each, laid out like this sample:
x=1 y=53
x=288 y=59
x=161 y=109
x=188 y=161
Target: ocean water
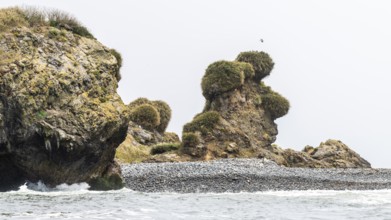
x=36 y=201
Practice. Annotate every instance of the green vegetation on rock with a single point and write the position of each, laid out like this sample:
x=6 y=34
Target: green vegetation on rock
x=11 y=17
x=163 y=109
x=247 y=69
x=191 y=145
x=60 y=19
x=164 y=147
x=164 y=113
x=117 y=56
x=139 y=101
x=221 y=77
x=261 y=62
x=34 y=17
x=204 y=122
x=190 y=140
x=146 y=116
x=275 y=104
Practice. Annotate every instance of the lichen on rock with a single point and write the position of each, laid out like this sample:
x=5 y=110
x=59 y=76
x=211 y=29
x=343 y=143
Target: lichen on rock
x=61 y=118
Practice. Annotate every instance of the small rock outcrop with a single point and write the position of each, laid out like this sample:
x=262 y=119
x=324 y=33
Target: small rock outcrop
x=239 y=114
x=147 y=138
x=334 y=153
x=61 y=119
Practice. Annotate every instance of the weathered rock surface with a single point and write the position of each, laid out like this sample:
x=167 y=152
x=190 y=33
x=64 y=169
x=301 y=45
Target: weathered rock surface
x=334 y=153
x=61 y=119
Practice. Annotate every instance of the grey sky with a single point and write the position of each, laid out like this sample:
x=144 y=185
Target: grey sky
x=332 y=59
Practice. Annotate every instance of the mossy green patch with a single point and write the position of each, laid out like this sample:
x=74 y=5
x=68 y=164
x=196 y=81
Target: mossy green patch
x=41 y=114
x=138 y=102
x=204 y=122
x=117 y=56
x=165 y=114
x=247 y=69
x=190 y=140
x=261 y=62
x=221 y=77
x=275 y=104
x=164 y=111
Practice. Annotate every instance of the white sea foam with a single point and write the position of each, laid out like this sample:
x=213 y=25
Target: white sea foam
x=41 y=187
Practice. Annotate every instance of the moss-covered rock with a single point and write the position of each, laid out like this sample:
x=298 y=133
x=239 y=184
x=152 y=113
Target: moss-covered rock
x=170 y=137
x=165 y=115
x=221 y=77
x=117 y=56
x=190 y=140
x=163 y=109
x=61 y=118
x=261 y=62
x=191 y=145
x=147 y=116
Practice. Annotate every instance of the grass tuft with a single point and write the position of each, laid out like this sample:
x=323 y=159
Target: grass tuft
x=261 y=62
x=204 y=122
x=33 y=17
x=221 y=77
x=164 y=147
x=146 y=116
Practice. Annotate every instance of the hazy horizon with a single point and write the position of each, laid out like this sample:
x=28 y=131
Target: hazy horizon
x=331 y=59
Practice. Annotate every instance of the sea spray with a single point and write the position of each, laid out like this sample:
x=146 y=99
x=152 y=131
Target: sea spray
x=42 y=187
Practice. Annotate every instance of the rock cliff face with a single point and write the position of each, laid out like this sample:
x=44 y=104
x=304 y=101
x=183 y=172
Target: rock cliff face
x=238 y=119
x=61 y=119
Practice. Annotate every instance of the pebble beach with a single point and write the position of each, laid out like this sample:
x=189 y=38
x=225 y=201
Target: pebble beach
x=247 y=175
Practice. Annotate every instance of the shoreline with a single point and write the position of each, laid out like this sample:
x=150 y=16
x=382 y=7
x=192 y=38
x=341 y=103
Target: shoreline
x=247 y=175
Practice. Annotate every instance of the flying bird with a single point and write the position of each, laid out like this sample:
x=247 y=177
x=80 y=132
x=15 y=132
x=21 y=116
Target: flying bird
x=261 y=40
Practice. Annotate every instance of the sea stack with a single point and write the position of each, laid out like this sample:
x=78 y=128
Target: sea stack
x=239 y=116
x=61 y=118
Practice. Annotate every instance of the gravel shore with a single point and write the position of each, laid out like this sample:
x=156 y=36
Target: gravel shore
x=247 y=175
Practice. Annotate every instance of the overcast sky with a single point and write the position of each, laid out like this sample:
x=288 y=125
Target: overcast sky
x=332 y=59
